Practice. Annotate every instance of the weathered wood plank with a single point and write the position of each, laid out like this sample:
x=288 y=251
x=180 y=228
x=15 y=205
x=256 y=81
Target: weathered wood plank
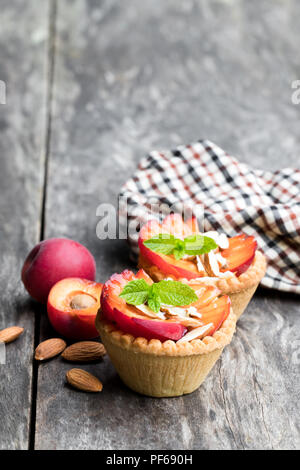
x=129 y=77
x=257 y=380
x=23 y=36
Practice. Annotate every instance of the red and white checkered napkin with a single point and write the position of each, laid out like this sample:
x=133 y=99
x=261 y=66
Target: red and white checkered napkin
x=235 y=198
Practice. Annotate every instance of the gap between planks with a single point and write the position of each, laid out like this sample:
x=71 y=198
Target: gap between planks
x=48 y=118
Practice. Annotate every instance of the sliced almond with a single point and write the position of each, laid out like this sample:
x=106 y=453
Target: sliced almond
x=10 y=334
x=174 y=311
x=197 y=333
x=222 y=261
x=147 y=311
x=49 y=348
x=223 y=241
x=183 y=314
x=188 y=322
x=200 y=266
x=84 y=351
x=212 y=234
x=200 y=291
x=83 y=380
x=189 y=257
x=211 y=264
x=194 y=312
x=226 y=274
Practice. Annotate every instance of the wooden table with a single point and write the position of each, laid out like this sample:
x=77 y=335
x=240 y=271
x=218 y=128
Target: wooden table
x=91 y=87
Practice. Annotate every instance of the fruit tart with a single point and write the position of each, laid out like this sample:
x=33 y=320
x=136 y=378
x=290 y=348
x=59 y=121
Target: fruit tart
x=163 y=338
x=177 y=250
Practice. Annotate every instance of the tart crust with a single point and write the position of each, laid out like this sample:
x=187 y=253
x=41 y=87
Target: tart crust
x=218 y=340
x=164 y=369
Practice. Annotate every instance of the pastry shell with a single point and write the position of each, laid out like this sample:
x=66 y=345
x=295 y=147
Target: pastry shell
x=163 y=369
x=240 y=289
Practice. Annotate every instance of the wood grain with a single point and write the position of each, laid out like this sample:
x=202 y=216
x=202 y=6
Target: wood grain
x=130 y=77
x=23 y=36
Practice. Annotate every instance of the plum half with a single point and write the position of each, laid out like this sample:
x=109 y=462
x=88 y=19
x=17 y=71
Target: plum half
x=72 y=307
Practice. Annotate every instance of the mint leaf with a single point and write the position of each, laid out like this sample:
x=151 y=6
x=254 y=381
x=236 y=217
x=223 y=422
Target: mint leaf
x=199 y=244
x=167 y=244
x=179 y=249
x=154 y=301
x=175 y=293
x=162 y=243
x=135 y=292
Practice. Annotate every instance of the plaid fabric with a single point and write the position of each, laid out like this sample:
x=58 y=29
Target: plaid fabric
x=235 y=198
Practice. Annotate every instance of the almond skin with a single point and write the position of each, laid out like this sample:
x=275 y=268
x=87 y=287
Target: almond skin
x=10 y=334
x=84 y=351
x=207 y=265
x=49 y=348
x=83 y=381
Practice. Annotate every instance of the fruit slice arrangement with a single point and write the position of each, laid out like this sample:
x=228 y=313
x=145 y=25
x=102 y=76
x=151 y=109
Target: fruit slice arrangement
x=222 y=257
x=240 y=253
x=200 y=318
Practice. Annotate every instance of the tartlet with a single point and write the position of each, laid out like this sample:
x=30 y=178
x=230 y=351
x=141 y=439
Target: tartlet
x=234 y=265
x=168 y=352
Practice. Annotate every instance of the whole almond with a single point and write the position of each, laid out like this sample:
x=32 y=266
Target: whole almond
x=10 y=334
x=49 y=348
x=83 y=380
x=84 y=351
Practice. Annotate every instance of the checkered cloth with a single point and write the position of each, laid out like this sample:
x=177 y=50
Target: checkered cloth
x=235 y=198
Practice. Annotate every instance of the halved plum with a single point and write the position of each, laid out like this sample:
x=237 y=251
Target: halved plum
x=239 y=254
x=72 y=307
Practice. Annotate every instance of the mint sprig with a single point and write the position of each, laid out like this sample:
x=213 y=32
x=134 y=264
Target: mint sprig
x=192 y=245
x=164 y=292
x=199 y=244
x=153 y=302
x=135 y=292
x=163 y=243
x=175 y=293
x=179 y=249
